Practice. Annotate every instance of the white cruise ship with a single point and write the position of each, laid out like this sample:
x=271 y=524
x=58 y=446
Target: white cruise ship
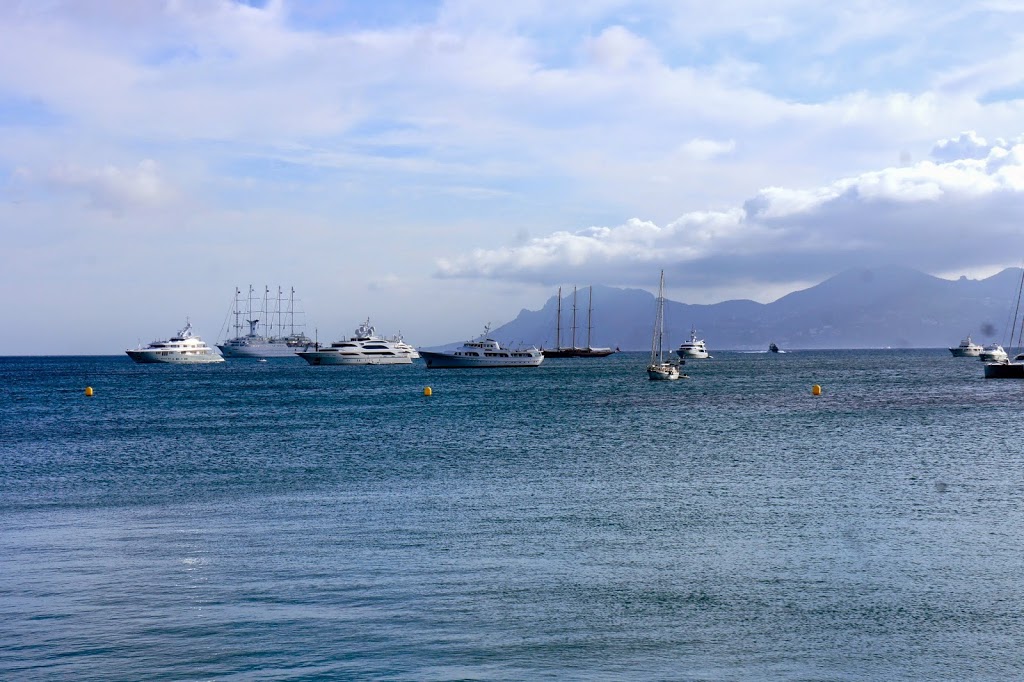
x=364 y=347
x=693 y=349
x=483 y=352
x=267 y=344
x=184 y=349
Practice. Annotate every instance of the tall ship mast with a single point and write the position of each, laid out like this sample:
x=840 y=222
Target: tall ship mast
x=273 y=342
x=574 y=351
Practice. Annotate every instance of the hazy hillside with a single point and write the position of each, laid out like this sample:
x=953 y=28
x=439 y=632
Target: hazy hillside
x=865 y=308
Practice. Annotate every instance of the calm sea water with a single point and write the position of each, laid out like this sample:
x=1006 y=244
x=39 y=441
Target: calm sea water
x=573 y=522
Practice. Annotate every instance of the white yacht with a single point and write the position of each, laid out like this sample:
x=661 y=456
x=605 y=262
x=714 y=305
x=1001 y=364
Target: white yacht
x=483 y=352
x=185 y=348
x=966 y=349
x=364 y=347
x=993 y=352
x=274 y=342
x=694 y=348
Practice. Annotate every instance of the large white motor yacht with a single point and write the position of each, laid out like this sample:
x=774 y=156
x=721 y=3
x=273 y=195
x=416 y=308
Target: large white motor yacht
x=967 y=349
x=483 y=352
x=364 y=347
x=185 y=348
x=693 y=349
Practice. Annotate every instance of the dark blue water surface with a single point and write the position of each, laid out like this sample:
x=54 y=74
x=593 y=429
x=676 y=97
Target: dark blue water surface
x=572 y=522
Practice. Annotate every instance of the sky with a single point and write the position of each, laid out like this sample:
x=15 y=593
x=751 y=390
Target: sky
x=437 y=166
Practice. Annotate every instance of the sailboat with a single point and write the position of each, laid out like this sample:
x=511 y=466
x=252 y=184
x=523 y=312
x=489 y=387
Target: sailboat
x=574 y=351
x=1003 y=368
x=658 y=369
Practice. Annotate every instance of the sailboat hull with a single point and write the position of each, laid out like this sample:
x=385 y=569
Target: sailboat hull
x=577 y=352
x=663 y=372
x=1007 y=370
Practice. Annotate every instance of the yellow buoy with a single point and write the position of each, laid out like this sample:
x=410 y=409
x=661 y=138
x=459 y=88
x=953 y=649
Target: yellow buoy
x=88 y=391
x=815 y=389
x=427 y=392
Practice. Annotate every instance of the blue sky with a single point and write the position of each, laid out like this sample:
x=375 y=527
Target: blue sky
x=440 y=165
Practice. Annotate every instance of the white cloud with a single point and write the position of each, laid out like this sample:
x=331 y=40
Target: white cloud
x=115 y=189
x=931 y=215
x=700 y=149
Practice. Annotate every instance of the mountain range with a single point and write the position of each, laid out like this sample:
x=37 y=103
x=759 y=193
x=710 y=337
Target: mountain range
x=887 y=307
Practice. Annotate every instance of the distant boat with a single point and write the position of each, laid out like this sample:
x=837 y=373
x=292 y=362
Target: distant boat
x=482 y=352
x=574 y=351
x=658 y=369
x=185 y=348
x=773 y=348
x=364 y=347
x=694 y=349
x=268 y=344
x=1004 y=368
x=993 y=352
x=966 y=349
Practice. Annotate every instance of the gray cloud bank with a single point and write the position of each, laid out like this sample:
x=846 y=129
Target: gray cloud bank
x=959 y=210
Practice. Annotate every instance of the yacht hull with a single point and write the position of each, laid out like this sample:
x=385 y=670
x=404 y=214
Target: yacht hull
x=577 y=352
x=148 y=357
x=327 y=358
x=436 y=360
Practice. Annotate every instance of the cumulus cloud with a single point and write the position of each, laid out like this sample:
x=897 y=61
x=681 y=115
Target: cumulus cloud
x=933 y=216
x=969 y=145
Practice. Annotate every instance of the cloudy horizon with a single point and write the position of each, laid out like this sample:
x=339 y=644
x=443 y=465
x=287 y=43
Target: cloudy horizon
x=439 y=165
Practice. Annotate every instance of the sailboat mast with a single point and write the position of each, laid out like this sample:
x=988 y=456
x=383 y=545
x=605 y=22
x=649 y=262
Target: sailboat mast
x=291 y=312
x=558 y=321
x=266 y=316
x=280 y=320
x=590 y=312
x=659 y=324
x=238 y=323
x=574 y=318
x=251 y=322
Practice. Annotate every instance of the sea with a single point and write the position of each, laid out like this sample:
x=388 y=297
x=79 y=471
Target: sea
x=277 y=521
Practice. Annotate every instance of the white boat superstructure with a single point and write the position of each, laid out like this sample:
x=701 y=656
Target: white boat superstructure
x=694 y=349
x=185 y=348
x=278 y=339
x=966 y=349
x=658 y=369
x=364 y=347
x=481 y=353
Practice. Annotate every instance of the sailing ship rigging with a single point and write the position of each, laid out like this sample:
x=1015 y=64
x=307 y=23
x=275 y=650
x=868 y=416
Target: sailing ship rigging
x=574 y=351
